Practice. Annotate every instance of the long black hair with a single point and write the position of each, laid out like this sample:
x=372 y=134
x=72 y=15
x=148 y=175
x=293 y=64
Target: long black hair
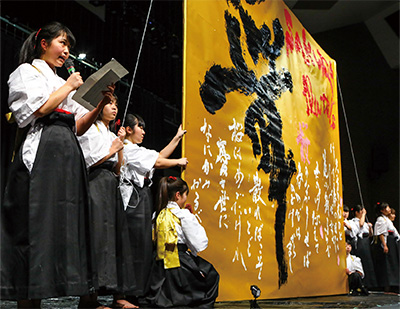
x=167 y=189
x=32 y=49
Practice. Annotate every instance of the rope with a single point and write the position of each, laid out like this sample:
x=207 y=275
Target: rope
x=350 y=142
x=137 y=62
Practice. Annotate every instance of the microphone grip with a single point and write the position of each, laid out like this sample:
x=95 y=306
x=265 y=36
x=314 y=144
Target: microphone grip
x=69 y=65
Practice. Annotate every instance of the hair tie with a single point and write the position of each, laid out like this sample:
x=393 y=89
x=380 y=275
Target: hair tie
x=172 y=177
x=117 y=123
x=37 y=33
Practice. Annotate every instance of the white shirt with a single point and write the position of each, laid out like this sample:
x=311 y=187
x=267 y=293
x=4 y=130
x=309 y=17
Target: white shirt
x=190 y=231
x=138 y=162
x=30 y=87
x=96 y=143
x=357 y=229
x=353 y=263
x=382 y=226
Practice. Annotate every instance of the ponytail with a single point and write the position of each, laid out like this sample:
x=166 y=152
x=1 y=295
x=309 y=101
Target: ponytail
x=32 y=49
x=167 y=189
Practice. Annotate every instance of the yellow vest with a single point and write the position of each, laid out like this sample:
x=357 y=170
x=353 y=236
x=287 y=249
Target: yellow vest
x=167 y=239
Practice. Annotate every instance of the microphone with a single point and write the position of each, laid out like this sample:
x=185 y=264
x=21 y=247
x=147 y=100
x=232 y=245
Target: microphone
x=69 y=64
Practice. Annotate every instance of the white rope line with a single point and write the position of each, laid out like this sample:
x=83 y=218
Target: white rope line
x=350 y=142
x=137 y=62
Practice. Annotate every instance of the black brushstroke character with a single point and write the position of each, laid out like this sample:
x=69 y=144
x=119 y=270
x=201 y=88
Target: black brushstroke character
x=268 y=143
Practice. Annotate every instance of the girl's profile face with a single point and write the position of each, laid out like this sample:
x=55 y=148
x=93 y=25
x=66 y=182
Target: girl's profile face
x=181 y=199
x=138 y=134
x=345 y=214
x=386 y=211
x=56 y=52
x=110 y=111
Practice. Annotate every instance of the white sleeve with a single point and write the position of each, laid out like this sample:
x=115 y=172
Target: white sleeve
x=27 y=93
x=194 y=232
x=395 y=232
x=93 y=146
x=358 y=266
x=140 y=159
x=78 y=110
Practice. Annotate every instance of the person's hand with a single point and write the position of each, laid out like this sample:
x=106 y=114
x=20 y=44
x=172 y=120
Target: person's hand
x=75 y=80
x=182 y=162
x=180 y=132
x=116 y=145
x=108 y=96
x=121 y=133
x=189 y=207
x=348 y=271
x=385 y=249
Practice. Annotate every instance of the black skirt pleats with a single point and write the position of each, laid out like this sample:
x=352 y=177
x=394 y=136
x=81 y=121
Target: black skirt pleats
x=386 y=265
x=45 y=246
x=110 y=234
x=193 y=284
x=139 y=216
x=363 y=251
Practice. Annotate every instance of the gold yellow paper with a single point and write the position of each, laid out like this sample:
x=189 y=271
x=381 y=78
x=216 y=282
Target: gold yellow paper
x=272 y=209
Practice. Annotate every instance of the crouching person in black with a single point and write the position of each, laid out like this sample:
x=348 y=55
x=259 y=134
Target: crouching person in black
x=355 y=273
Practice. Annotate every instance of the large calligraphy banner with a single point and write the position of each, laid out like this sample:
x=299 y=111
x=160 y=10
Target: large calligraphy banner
x=260 y=107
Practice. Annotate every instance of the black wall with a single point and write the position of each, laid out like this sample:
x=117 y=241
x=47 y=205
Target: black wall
x=370 y=90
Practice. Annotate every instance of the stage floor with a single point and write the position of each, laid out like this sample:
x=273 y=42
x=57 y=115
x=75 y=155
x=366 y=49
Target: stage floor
x=374 y=300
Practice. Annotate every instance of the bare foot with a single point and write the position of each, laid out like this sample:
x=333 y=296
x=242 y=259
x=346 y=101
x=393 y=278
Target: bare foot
x=123 y=303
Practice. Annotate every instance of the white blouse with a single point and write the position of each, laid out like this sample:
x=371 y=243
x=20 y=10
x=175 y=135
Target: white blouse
x=96 y=143
x=30 y=86
x=190 y=231
x=382 y=226
x=138 y=163
x=357 y=229
x=353 y=263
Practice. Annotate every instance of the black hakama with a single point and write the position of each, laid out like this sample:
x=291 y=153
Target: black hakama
x=45 y=219
x=363 y=251
x=139 y=217
x=387 y=265
x=193 y=284
x=110 y=233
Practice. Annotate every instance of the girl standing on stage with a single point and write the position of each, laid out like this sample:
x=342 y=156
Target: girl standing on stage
x=179 y=277
x=362 y=229
x=45 y=224
x=387 y=259
x=138 y=169
x=103 y=152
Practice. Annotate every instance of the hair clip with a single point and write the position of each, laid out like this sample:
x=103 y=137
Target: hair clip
x=172 y=177
x=37 y=33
